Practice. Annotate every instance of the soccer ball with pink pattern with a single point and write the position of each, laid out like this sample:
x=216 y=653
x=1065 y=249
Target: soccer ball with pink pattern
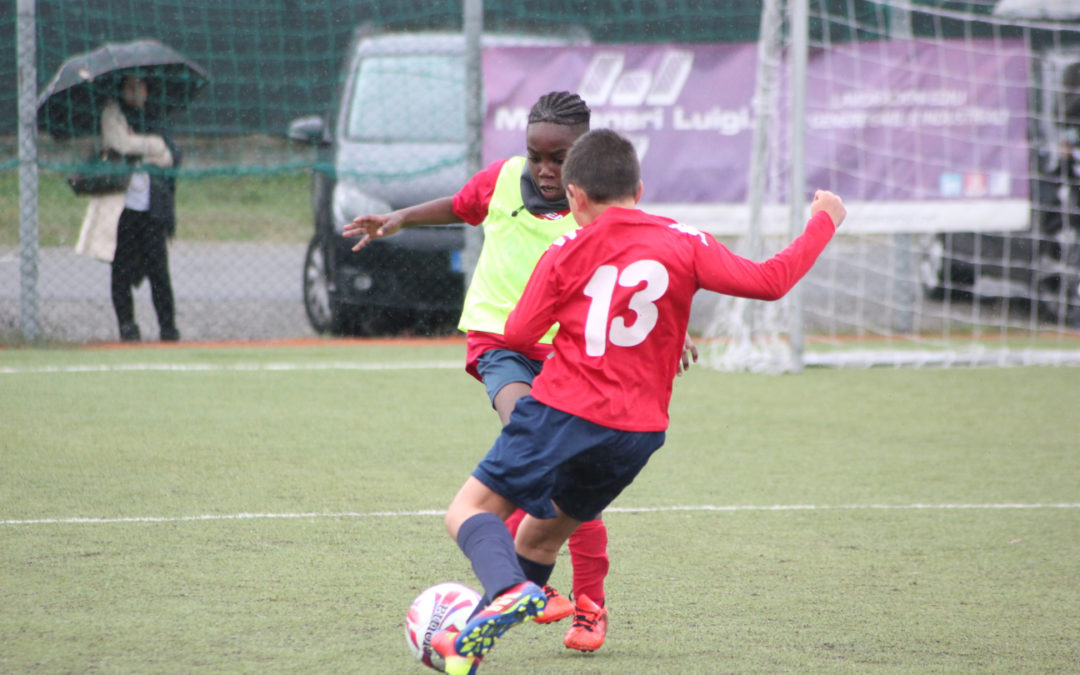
x=439 y=607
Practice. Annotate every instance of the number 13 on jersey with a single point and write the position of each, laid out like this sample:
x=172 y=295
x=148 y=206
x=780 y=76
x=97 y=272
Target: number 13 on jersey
x=601 y=288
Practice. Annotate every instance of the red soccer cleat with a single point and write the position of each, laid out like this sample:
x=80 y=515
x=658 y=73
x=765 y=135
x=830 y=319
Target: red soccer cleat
x=558 y=606
x=445 y=656
x=590 y=626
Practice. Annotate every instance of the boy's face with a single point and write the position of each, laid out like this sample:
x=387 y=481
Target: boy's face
x=546 y=146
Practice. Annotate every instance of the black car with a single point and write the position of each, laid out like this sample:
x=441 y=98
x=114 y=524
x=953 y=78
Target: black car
x=1040 y=265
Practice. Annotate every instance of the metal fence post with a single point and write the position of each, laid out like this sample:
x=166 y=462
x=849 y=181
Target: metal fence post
x=28 y=171
x=473 y=27
x=905 y=291
x=797 y=197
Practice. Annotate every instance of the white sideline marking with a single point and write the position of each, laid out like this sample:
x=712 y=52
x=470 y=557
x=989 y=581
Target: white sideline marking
x=615 y=509
x=207 y=367
x=1001 y=358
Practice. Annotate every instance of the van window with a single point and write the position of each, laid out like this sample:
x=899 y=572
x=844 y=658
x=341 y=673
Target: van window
x=418 y=99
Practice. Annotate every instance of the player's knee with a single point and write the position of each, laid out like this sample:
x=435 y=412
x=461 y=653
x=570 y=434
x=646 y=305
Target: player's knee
x=508 y=397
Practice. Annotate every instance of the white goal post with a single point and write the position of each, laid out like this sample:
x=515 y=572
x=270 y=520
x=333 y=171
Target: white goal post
x=945 y=132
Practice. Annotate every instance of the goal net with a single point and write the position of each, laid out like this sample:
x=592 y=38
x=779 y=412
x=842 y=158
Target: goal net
x=951 y=136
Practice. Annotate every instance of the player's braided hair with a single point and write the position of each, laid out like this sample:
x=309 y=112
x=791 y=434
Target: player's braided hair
x=560 y=107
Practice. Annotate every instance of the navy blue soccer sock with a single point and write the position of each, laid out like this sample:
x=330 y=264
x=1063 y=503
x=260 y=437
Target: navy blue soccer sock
x=487 y=544
x=538 y=573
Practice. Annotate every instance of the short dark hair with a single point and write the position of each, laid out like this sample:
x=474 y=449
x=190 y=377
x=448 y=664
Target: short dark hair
x=604 y=165
x=560 y=107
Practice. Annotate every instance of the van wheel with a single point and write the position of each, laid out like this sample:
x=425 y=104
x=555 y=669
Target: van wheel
x=941 y=271
x=316 y=285
x=324 y=312
x=1053 y=299
x=932 y=267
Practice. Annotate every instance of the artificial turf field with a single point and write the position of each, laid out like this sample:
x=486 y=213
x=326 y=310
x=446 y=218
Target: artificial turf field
x=276 y=509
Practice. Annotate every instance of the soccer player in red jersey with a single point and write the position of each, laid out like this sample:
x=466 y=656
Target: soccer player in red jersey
x=620 y=287
x=521 y=204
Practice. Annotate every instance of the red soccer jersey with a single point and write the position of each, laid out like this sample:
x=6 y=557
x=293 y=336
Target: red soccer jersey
x=621 y=290
x=471 y=201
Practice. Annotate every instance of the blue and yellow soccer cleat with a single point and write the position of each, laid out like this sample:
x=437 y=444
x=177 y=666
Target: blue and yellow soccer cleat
x=516 y=605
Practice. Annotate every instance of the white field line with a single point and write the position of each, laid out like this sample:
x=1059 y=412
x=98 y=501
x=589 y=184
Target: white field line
x=616 y=509
x=245 y=367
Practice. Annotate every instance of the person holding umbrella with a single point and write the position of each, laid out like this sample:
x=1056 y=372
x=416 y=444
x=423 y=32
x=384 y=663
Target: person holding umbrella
x=145 y=214
x=122 y=92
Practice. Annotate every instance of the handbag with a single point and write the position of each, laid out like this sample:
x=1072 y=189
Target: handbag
x=104 y=172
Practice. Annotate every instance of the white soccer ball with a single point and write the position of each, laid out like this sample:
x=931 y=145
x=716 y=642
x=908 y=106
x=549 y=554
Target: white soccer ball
x=439 y=607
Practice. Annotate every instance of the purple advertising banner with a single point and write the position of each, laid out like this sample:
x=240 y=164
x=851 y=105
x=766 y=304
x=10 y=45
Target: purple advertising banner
x=900 y=120
x=919 y=120
x=685 y=107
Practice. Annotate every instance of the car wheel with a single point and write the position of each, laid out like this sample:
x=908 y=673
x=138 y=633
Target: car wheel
x=316 y=285
x=932 y=267
x=1055 y=303
x=324 y=312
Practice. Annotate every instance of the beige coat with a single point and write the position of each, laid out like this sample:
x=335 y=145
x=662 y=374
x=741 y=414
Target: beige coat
x=97 y=237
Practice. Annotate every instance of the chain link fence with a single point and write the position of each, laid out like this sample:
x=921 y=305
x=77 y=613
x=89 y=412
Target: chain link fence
x=248 y=199
x=292 y=133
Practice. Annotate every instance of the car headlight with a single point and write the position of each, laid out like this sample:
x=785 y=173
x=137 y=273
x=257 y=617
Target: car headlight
x=350 y=202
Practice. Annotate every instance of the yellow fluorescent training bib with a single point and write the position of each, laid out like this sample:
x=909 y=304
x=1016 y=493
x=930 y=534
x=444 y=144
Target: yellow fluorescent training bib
x=512 y=245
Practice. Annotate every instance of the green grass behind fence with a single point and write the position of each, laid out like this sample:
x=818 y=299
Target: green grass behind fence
x=265 y=207
x=870 y=521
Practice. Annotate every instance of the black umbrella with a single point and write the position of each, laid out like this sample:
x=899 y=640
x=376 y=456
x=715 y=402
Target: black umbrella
x=71 y=103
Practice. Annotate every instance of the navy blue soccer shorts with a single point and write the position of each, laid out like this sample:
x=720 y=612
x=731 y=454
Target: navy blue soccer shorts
x=545 y=456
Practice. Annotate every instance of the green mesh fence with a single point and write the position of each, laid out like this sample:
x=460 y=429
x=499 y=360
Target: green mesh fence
x=251 y=257
x=261 y=185
x=270 y=62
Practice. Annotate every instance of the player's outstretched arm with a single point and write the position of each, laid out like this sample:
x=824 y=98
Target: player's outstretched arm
x=830 y=203
x=725 y=272
x=436 y=212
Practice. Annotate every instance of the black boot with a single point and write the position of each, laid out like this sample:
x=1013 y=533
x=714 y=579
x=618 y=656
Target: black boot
x=170 y=334
x=129 y=332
